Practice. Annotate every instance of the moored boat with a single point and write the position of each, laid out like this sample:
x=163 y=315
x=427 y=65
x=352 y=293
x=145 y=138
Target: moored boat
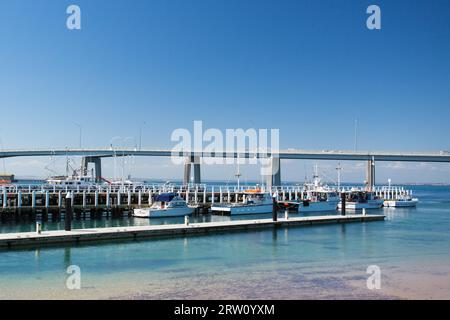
x=74 y=181
x=358 y=199
x=254 y=202
x=405 y=202
x=165 y=205
x=315 y=197
x=395 y=196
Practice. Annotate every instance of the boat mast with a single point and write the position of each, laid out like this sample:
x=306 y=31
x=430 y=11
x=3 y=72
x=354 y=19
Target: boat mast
x=338 y=169
x=238 y=172
x=316 y=176
x=67 y=165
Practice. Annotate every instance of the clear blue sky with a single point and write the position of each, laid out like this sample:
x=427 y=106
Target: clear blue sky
x=307 y=67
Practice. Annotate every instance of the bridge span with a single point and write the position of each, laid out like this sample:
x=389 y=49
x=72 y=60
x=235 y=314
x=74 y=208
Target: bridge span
x=94 y=155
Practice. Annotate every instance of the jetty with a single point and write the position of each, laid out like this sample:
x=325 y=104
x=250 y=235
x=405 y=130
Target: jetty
x=40 y=202
x=78 y=236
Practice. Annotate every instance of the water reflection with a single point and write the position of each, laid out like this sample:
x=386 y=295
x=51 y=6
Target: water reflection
x=67 y=257
x=393 y=213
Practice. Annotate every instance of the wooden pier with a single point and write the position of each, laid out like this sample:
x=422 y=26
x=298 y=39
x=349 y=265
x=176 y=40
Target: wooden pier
x=39 y=202
x=44 y=203
x=34 y=239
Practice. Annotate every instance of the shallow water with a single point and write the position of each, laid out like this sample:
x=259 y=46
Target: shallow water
x=411 y=248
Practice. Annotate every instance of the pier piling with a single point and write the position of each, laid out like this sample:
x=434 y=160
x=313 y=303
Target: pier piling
x=343 y=203
x=68 y=214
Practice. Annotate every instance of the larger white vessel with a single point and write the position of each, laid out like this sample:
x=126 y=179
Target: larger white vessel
x=401 y=202
x=319 y=200
x=74 y=181
x=358 y=199
x=254 y=202
x=79 y=178
x=165 y=205
x=315 y=197
x=395 y=196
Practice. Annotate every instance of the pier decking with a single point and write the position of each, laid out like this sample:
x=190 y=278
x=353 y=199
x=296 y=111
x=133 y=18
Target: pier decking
x=29 y=201
x=33 y=239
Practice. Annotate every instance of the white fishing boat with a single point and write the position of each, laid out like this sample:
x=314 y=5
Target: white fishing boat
x=79 y=179
x=318 y=201
x=395 y=196
x=401 y=202
x=165 y=205
x=358 y=199
x=126 y=184
x=254 y=202
x=74 y=181
x=315 y=197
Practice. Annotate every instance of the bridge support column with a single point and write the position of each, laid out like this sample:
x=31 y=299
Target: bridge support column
x=273 y=173
x=370 y=173
x=187 y=170
x=97 y=161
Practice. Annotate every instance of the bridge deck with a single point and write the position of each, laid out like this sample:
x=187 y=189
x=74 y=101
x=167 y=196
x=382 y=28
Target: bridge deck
x=442 y=156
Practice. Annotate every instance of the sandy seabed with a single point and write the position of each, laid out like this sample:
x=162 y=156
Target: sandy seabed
x=425 y=281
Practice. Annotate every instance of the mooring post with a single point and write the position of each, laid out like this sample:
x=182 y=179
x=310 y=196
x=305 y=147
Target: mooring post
x=286 y=214
x=274 y=209
x=47 y=199
x=343 y=203
x=84 y=199
x=68 y=216
x=139 y=198
x=33 y=199
x=186 y=220
x=204 y=194
x=38 y=227
x=19 y=199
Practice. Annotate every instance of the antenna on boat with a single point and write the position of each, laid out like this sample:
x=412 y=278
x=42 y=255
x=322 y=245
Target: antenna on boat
x=338 y=169
x=315 y=173
x=306 y=175
x=238 y=172
x=316 y=180
x=67 y=165
x=356 y=135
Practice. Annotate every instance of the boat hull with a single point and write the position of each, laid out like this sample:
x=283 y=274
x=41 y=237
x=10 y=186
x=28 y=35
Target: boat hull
x=241 y=210
x=319 y=206
x=371 y=204
x=402 y=203
x=163 y=213
x=305 y=207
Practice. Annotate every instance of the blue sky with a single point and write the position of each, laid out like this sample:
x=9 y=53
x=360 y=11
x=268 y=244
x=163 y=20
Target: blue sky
x=309 y=68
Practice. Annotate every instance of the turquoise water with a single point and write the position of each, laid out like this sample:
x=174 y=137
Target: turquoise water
x=411 y=248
